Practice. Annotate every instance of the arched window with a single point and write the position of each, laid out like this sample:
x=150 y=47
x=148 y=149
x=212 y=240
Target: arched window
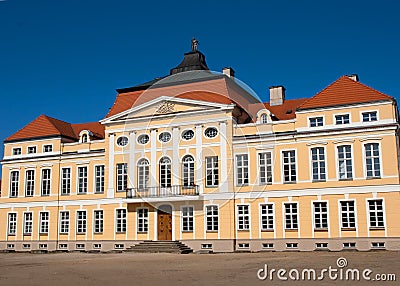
x=165 y=172
x=143 y=174
x=264 y=118
x=188 y=171
x=84 y=138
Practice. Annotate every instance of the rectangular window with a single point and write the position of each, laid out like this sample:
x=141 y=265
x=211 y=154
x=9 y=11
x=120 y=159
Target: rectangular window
x=376 y=215
x=369 y=116
x=16 y=151
x=30 y=183
x=32 y=150
x=289 y=166
x=372 y=160
x=82 y=180
x=291 y=220
x=120 y=220
x=320 y=215
x=212 y=218
x=348 y=214
x=64 y=222
x=316 y=121
x=242 y=169
x=47 y=148
x=81 y=222
x=65 y=181
x=265 y=164
x=12 y=224
x=98 y=221
x=318 y=164
x=28 y=223
x=99 y=177
x=212 y=171
x=342 y=119
x=122 y=177
x=44 y=222
x=14 y=184
x=187 y=218
x=46 y=178
x=142 y=220
x=243 y=217
x=345 y=162
x=267 y=216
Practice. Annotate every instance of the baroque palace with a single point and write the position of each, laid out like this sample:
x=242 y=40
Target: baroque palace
x=196 y=157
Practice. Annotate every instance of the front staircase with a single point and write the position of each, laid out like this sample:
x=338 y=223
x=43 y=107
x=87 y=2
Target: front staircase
x=149 y=246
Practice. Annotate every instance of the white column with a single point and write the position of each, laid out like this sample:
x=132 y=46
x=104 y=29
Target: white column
x=110 y=189
x=132 y=165
x=175 y=157
x=223 y=184
x=199 y=158
x=153 y=155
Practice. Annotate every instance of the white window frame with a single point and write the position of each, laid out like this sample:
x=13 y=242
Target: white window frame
x=188 y=170
x=165 y=172
x=143 y=135
x=30 y=183
x=184 y=132
x=12 y=219
x=341 y=215
x=164 y=142
x=368 y=111
x=338 y=162
x=290 y=168
x=143 y=173
x=82 y=180
x=142 y=220
x=32 y=147
x=14 y=184
x=66 y=180
x=208 y=128
x=28 y=223
x=243 y=220
x=320 y=215
x=294 y=225
x=64 y=222
x=212 y=217
x=369 y=212
x=45 y=182
x=321 y=175
x=187 y=220
x=341 y=114
x=316 y=118
x=81 y=222
x=245 y=169
x=121 y=215
x=121 y=177
x=365 y=161
x=212 y=169
x=98 y=221
x=122 y=137
x=14 y=150
x=267 y=216
x=99 y=179
x=46 y=146
x=44 y=222
x=267 y=166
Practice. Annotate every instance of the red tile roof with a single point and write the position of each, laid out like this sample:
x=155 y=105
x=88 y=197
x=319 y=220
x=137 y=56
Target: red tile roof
x=45 y=126
x=344 y=91
x=287 y=110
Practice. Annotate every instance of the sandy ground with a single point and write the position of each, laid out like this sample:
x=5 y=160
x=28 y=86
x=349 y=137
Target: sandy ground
x=176 y=269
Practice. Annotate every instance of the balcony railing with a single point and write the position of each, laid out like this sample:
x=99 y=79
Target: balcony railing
x=158 y=192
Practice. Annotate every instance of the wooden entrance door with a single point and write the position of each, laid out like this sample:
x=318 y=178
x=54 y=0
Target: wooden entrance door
x=164 y=225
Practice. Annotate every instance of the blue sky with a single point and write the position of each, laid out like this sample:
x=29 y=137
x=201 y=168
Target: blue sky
x=66 y=58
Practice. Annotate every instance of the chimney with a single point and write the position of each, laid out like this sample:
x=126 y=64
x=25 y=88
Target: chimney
x=276 y=95
x=228 y=72
x=353 y=77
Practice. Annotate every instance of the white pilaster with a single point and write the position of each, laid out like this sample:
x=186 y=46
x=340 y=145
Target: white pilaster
x=199 y=158
x=153 y=161
x=110 y=189
x=223 y=184
x=132 y=165
x=175 y=157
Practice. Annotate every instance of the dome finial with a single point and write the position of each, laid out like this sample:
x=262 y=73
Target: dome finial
x=195 y=44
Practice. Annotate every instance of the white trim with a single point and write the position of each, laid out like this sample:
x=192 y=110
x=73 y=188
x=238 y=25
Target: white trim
x=364 y=158
x=181 y=220
x=199 y=158
x=123 y=136
x=175 y=157
x=235 y=155
x=314 y=228
x=186 y=130
x=153 y=158
x=315 y=117
x=259 y=151
x=341 y=114
x=110 y=189
x=311 y=161
x=282 y=181
x=352 y=106
x=355 y=215
x=142 y=135
x=237 y=218
x=260 y=218
x=369 y=111
x=218 y=218
x=223 y=183
x=131 y=169
x=337 y=160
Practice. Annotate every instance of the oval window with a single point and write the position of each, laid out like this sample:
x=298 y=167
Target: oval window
x=211 y=132
x=122 y=141
x=143 y=139
x=187 y=135
x=164 y=137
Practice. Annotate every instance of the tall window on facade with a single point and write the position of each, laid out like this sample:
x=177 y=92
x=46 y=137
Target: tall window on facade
x=14 y=184
x=44 y=222
x=318 y=164
x=12 y=224
x=98 y=221
x=28 y=223
x=142 y=220
x=212 y=171
x=143 y=174
x=345 y=162
x=291 y=216
x=212 y=218
x=342 y=119
x=289 y=166
x=187 y=218
x=120 y=220
x=165 y=172
x=372 y=160
x=64 y=222
x=376 y=215
x=267 y=216
x=81 y=222
x=65 y=181
x=99 y=178
x=265 y=167
x=122 y=177
x=369 y=116
x=30 y=183
x=46 y=179
x=243 y=217
x=348 y=214
x=242 y=170
x=320 y=215
x=188 y=171
x=82 y=180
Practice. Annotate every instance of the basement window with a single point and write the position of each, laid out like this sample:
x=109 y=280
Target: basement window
x=292 y=245
x=348 y=245
x=10 y=246
x=119 y=246
x=206 y=246
x=378 y=245
x=80 y=246
x=244 y=246
x=267 y=245
x=97 y=246
x=62 y=246
x=43 y=246
x=321 y=245
x=26 y=246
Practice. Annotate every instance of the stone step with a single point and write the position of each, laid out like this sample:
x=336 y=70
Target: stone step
x=160 y=246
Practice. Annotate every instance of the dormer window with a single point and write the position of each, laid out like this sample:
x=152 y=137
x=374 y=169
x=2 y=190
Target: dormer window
x=84 y=136
x=264 y=118
x=316 y=121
